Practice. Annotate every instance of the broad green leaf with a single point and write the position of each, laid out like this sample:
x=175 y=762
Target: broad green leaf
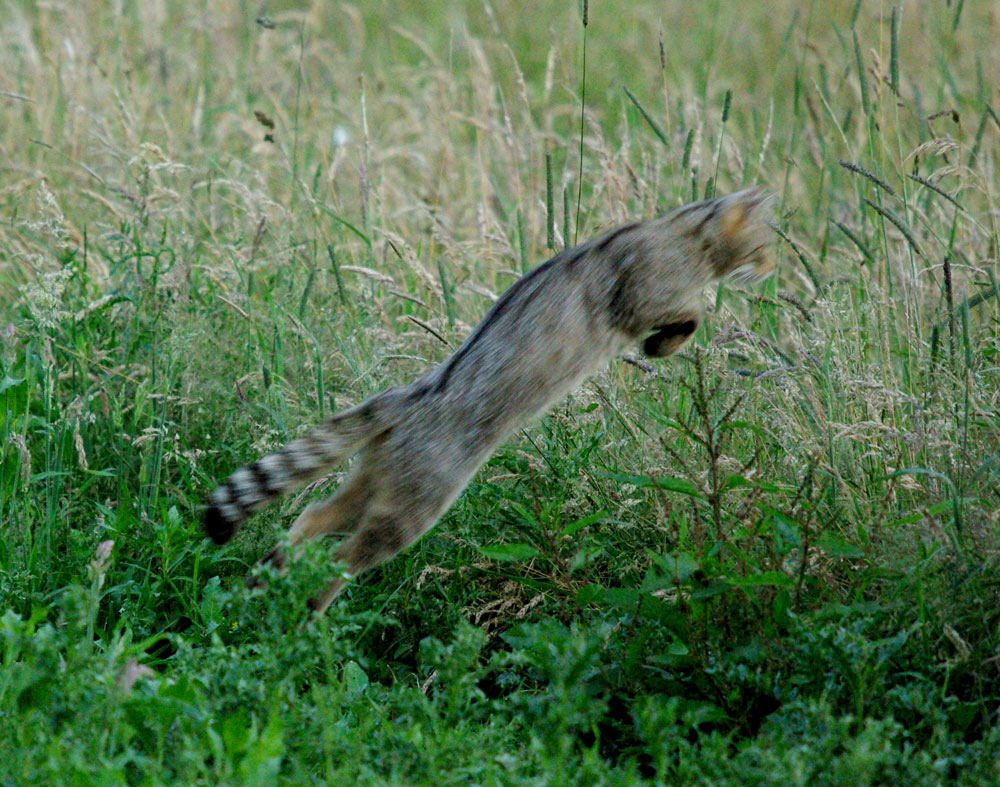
x=355 y=679
x=579 y=524
x=835 y=546
x=510 y=553
x=585 y=556
x=679 y=565
x=664 y=482
x=615 y=598
x=236 y=732
x=263 y=758
x=10 y=382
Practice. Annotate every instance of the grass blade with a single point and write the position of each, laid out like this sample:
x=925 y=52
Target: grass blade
x=661 y=135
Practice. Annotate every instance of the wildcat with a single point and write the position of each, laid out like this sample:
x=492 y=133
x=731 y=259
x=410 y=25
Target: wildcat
x=419 y=445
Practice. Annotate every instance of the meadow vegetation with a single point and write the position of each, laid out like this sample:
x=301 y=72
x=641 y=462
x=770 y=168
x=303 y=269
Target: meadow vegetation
x=771 y=560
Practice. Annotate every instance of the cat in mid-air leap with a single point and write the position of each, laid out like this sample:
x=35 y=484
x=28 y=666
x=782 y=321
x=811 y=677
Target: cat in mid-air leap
x=419 y=445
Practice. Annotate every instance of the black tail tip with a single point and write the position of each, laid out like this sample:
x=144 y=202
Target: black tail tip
x=218 y=528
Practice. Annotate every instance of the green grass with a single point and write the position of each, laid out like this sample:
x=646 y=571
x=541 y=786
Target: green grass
x=771 y=560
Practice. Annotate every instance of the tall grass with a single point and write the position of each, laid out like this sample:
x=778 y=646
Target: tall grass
x=770 y=560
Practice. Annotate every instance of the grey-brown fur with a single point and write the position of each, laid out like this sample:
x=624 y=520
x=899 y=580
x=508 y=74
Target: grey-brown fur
x=419 y=445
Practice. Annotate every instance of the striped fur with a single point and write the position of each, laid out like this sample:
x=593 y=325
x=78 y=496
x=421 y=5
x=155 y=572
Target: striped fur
x=418 y=445
x=255 y=485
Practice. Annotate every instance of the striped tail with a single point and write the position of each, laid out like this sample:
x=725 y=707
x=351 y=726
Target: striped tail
x=255 y=485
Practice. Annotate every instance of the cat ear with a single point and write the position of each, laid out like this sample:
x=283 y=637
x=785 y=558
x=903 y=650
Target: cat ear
x=734 y=217
x=732 y=221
